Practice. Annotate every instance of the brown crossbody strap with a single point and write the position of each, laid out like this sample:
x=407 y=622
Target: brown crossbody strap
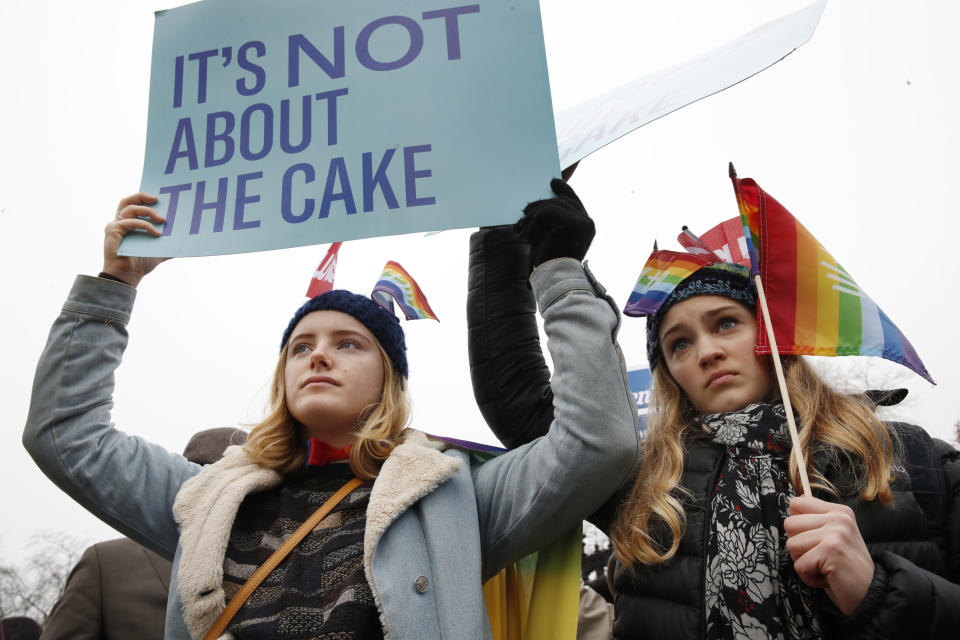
x=276 y=558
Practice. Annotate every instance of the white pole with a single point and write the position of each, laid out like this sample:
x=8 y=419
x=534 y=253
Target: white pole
x=794 y=437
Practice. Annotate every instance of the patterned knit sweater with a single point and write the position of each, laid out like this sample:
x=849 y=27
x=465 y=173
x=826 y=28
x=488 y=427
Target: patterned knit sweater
x=319 y=591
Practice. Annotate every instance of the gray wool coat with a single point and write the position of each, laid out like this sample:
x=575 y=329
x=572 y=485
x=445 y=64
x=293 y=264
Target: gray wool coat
x=432 y=515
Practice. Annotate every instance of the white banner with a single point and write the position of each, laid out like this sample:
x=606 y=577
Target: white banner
x=583 y=129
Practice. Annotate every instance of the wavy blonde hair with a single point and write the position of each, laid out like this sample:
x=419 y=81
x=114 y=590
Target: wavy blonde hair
x=833 y=427
x=278 y=442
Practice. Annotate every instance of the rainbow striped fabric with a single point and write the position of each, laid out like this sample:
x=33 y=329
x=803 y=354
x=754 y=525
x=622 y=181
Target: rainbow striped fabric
x=538 y=596
x=663 y=271
x=395 y=283
x=816 y=307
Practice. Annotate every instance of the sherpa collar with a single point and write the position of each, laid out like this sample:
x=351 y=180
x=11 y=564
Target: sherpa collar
x=205 y=508
x=207 y=505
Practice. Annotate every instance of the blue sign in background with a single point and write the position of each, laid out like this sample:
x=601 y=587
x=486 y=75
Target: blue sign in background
x=639 y=381
x=296 y=122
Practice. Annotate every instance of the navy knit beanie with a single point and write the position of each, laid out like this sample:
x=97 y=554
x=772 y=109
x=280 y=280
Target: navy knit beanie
x=382 y=323
x=721 y=279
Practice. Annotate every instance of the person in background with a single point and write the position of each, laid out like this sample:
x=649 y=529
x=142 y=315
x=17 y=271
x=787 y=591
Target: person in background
x=405 y=554
x=710 y=539
x=118 y=589
x=19 y=628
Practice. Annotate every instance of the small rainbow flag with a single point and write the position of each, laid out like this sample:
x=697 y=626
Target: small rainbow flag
x=816 y=307
x=663 y=271
x=397 y=284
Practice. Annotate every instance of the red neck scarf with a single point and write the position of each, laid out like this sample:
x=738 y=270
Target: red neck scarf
x=320 y=453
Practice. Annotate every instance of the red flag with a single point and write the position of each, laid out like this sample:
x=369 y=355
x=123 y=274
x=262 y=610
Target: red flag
x=693 y=244
x=725 y=240
x=322 y=280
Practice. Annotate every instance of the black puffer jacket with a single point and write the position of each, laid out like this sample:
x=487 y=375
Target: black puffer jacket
x=915 y=545
x=511 y=381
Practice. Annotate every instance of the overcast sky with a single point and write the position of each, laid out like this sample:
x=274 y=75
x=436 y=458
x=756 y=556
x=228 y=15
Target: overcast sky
x=855 y=133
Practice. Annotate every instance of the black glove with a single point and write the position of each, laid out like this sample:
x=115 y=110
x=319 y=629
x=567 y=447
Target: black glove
x=556 y=228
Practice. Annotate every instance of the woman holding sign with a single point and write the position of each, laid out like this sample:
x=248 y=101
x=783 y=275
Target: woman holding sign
x=416 y=530
x=710 y=538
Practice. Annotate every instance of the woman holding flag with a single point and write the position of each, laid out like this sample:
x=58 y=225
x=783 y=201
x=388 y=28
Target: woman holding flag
x=715 y=537
x=414 y=526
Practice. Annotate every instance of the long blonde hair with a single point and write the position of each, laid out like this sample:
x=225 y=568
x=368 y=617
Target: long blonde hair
x=652 y=521
x=278 y=442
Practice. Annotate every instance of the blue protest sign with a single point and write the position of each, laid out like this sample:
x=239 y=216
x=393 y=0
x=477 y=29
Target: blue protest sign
x=639 y=381
x=296 y=122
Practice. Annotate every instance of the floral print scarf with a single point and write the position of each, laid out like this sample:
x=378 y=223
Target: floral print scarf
x=751 y=588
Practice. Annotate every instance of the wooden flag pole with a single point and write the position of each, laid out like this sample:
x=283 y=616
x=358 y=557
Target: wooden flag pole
x=791 y=423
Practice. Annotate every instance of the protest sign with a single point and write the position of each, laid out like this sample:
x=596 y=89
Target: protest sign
x=293 y=122
x=639 y=381
x=590 y=125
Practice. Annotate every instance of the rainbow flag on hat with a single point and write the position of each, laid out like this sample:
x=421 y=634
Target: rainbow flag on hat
x=396 y=284
x=661 y=274
x=816 y=307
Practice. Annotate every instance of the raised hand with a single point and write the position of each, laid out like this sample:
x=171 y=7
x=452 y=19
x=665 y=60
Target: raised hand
x=556 y=227
x=131 y=214
x=828 y=551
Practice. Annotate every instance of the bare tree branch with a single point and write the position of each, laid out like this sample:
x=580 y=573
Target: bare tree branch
x=33 y=585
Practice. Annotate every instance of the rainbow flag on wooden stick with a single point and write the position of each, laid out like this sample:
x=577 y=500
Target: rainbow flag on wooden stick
x=816 y=307
x=395 y=283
